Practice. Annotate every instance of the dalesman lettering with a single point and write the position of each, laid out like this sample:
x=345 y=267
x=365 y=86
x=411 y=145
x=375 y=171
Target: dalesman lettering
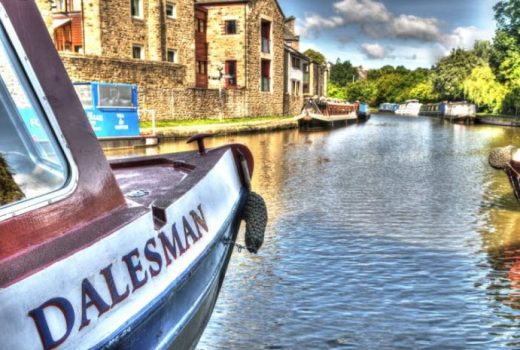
x=142 y=264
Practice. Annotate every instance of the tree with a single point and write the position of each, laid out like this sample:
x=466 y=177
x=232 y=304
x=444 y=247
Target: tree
x=483 y=50
x=504 y=47
x=336 y=91
x=362 y=90
x=451 y=71
x=482 y=88
x=316 y=56
x=343 y=73
x=423 y=92
x=507 y=15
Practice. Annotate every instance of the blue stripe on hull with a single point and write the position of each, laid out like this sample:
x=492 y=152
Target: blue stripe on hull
x=177 y=318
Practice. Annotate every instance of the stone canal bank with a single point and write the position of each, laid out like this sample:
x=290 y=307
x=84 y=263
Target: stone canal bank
x=218 y=128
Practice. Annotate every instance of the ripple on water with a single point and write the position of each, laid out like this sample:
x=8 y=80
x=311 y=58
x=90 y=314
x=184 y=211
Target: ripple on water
x=394 y=234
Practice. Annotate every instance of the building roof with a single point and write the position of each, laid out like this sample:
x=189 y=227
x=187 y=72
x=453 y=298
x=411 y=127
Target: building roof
x=219 y=2
x=296 y=52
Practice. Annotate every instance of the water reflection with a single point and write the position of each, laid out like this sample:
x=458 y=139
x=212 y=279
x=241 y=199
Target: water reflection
x=390 y=234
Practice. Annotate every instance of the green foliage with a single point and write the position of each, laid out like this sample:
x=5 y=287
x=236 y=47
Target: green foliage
x=483 y=50
x=507 y=15
x=451 y=71
x=482 y=88
x=316 y=56
x=343 y=73
x=336 y=91
x=362 y=90
x=9 y=190
x=423 y=92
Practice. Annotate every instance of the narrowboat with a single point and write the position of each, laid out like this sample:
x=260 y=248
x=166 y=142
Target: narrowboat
x=388 y=107
x=410 y=108
x=455 y=112
x=433 y=109
x=460 y=112
x=326 y=113
x=363 y=112
x=130 y=254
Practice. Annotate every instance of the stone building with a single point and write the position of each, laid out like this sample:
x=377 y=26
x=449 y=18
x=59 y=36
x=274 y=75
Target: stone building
x=190 y=58
x=304 y=77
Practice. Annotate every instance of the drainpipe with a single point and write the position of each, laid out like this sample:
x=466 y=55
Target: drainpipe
x=83 y=28
x=246 y=63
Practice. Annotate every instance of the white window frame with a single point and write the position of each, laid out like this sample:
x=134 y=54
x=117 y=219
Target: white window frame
x=175 y=57
x=174 y=6
x=140 y=15
x=141 y=47
x=71 y=182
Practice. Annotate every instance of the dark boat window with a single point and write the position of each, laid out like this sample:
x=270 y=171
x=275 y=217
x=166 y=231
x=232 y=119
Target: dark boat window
x=32 y=164
x=115 y=96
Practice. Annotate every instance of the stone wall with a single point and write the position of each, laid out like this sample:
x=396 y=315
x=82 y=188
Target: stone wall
x=160 y=86
x=292 y=104
x=265 y=103
x=224 y=47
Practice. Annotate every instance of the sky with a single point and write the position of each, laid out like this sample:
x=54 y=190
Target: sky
x=374 y=33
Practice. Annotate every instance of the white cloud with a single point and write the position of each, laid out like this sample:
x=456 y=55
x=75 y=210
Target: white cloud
x=373 y=51
x=413 y=27
x=465 y=37
x=358 y=11
x=372 y=18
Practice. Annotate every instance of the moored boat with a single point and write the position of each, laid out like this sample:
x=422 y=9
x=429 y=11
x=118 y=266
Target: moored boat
x=410 y=108
x=129 y=254
x=388 y=107
x=322 y=113
x=433 y=109
x=363 y=112
x=460 y=112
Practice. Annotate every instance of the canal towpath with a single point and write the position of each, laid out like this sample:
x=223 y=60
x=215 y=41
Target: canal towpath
x=220 y=127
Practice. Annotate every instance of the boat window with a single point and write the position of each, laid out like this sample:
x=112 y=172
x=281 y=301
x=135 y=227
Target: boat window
x=32 y=164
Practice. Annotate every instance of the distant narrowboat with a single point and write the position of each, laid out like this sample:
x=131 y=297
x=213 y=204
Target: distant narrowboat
x=388 y=107
x=363 y=112
x=324 y=113
x=410 y=108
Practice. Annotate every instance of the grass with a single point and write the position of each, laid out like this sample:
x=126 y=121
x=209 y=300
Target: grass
x=195 y=122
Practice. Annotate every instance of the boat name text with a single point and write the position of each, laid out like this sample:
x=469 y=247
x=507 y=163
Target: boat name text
x=143 y=264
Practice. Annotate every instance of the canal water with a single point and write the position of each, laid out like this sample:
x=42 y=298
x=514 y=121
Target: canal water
x=393 y=234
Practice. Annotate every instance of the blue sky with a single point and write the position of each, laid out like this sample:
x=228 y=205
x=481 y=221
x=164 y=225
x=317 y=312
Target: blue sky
x=373 y=33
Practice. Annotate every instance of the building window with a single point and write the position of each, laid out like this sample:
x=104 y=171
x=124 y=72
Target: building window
x=202 y=67
x=266 y=36
x=266 y=75
x=231 y=27
x=201 y=25
x=137 y=52
x=171 y=10
x=296 y=62
x=172 y=56
x=295 y=87
x=137 y=8
x=231 y=74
